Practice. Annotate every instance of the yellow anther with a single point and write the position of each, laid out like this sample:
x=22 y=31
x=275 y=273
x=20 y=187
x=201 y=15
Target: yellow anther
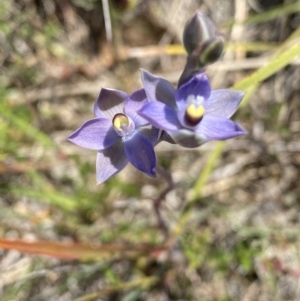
x=195 y=113
x=120 y=121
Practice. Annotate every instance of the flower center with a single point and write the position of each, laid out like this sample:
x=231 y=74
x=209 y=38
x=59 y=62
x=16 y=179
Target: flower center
x=120 y=121
x=123 y=125
x=194 y=114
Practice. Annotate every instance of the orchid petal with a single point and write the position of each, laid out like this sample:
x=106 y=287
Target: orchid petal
x=197 y=86
x=166 y=137
x=160 y=116
x=219 y=128
x=152 y=133
x=110 y=161
x=187 y=138
x=158 y=89
x=134 y=103
x=140 y=154
x=223 y=102
x=96 y=134
x=109 y=103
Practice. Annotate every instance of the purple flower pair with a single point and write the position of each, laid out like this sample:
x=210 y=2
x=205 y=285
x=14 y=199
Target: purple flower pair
x=127 y=127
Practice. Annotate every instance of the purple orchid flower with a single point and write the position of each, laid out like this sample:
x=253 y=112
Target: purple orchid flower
x=192 y=114
x=119 y=134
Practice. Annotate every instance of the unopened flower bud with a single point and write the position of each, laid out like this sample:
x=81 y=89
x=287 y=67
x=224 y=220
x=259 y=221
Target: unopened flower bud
x=197 y=30
x=211 y=51
x=204 y=54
